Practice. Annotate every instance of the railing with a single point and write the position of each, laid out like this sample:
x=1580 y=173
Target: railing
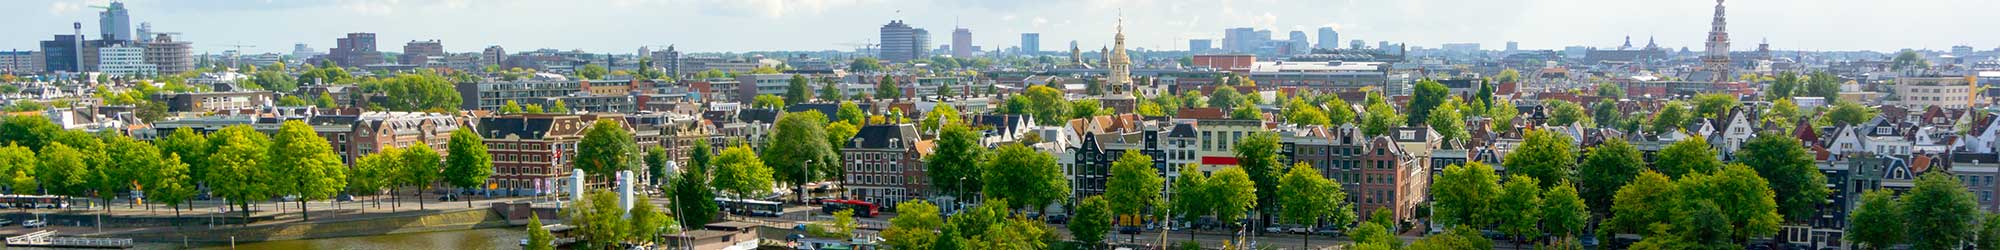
x=47 y=238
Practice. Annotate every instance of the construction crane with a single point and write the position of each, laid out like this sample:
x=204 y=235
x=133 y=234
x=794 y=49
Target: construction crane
x=865 y=46
x=239 y=52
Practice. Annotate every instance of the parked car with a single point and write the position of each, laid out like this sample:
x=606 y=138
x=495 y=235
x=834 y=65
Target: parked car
x=1327 y=231
x=1058 y=219
x=34 y=224
x=1128 y=230
x=1274 y=229
x=1299 y=230
x=5 y=222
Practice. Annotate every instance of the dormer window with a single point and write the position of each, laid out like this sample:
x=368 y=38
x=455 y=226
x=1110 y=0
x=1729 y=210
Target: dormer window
x=1881 y=130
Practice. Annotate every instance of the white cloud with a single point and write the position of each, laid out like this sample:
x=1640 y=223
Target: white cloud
x=371 y=7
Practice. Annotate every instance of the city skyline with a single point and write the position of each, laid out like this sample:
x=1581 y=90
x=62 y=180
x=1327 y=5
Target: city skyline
x=614 y=25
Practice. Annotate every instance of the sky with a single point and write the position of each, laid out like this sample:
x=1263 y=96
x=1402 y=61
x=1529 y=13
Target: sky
x=622 y=26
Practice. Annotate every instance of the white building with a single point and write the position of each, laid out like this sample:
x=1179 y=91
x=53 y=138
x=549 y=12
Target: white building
x=1917 y=93
x=119 y=60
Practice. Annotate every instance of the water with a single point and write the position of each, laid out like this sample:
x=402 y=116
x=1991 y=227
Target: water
x=490 y=238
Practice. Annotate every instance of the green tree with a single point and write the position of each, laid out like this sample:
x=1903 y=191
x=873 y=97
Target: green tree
x=1193 y=99
x=799 y=151
x=1232 y=194
x=888 y=89
x=740 y=172
x=1565 y=113
x=1190 y=195
x=17 y=167
x=1744 y=201
x=1715 y=105
x=1606 y=113
x=1087 y=108
x=1688 y=156
x=303 y=164
x=939 y=116
x=1380 y=118
x=1649 y=199
x=292 y=101
x=1047 y=105
x=326 y=101
x=1783 y=112
x=532 y=109
x=796 y=90
x=1502 y=111
x=1519 y=207
x=1338 y=112
x=1456 y=238
x=1024 y=177
x=592 y=72
x=1784 y=87
x=468 y=163
x=1849 y=113
x=63 y=170
x=605 y=149
x=914 y=227
x=1784 y=162
x=1429 y=95
x=599 y=220
x=647 y=222
x=1607 y=167
x=375 y=172
x=539 y=238
x=1884 y=216
x=1909 y=60
x=1563 y=212
x=422 y=166
x=768 y=101
x=693 y=201
x=1671 y=118
x=1092 y=221
x=1258 y=155
x=414 y=92
x=1371 y=235
x=1225 y=98
x=851 y=113
x=1246 y=111
x=235 y=166
x=510 y=108
x=1823 y=84
x=1448 y=122
x=1611 y=90
x=656 y=164
x=865 y=64
x=1134 y=184
x=1464 y=194
x=1306 y=198
x=830 y=91
x=1546 y=155
x=559 y=108
x=1940 y=212
x=191 y=147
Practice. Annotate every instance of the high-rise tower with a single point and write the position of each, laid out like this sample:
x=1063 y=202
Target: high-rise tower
x=1716 y=60
x=114 y=23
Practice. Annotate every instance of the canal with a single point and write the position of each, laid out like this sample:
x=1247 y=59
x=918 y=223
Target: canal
x=490 y=238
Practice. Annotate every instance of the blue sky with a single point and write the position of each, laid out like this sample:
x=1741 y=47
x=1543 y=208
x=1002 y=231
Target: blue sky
x=741 y=25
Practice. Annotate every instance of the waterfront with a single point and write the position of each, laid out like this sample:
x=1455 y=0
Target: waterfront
x=489 y=238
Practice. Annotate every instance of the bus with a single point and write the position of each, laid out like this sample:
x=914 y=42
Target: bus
x=749 y=207
x=861 y=208
x=33 y=201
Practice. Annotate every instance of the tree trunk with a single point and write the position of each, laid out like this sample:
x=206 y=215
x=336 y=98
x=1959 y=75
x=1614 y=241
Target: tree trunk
x=420 y=198
x=246 y=212
x=303 y=214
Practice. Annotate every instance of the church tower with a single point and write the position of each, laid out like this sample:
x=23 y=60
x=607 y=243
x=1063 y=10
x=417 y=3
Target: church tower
x=1716 y=59
x=1120 y=65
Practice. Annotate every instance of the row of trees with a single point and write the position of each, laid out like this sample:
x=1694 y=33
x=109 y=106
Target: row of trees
x=237 y=163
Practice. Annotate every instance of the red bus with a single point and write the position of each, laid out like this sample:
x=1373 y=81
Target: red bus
x=861 y=208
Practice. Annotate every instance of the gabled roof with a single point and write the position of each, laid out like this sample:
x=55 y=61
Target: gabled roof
x=884 y=136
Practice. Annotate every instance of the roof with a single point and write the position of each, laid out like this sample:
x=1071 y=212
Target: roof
x=882 y=136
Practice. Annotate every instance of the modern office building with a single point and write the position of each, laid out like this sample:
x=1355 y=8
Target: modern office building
x=961 y=43
x=303 y=51
x=1031 y=43
x=19 y=62
x=1244 y=39
x=114 y=23
x=1513 y=46
x=1199 y=45
x=901 y=43
x=171 y=55
x=1299 y=43
x=668 y=61
x=494 y=55
x=121 y=60
x=63 y=54
x=1328 y=38
x=420 y=53
x=355 y=50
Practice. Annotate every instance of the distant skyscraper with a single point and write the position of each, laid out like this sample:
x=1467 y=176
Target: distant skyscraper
x=145 y=32
x=302 y=51
x=1717 y=58
x=60 y=53
x=1031 y=43
x=1300 y=44
x=419 y=53
x=115 y=23
x=355 y=50
x=1513 y=46
x=496 y=56
x=901 y=43
x=1328 y=39
x=1244 y=40
x=1199 y=45
x=961 y=43
x=1357 y=44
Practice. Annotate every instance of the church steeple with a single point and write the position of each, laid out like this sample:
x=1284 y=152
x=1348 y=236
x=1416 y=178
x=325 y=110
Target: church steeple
x=1716 y=59
x=1119 y=65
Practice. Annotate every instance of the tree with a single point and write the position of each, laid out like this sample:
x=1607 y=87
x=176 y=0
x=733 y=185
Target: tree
x=1464 y=194
x=1563 y=213
x=1784 y=162
x=62 y=170
x=1564 y=113
x=1823 y=84
x=1671 y=118
x=647 y=222
x=414 y=92
x=1940 y=212
x=1246 y=111
x=375 y=172
x=888 y=89
x=1380 y=118
x=1134 y=184
x=1024 y=177
x=1307 y=198
x=1225 y=98
x=1546 y=155
x=768 y=101
x=830 y=91
x=1046 y=105
x=1087 y=108
x=191 y=148
x=1909 y=60
x=326 y=101
x=796 y=90
x=1190 y=195
x=303 y=164
x=532 y=109
x=1448 y=122
x=914 y=227
x=235 y=166
x=1989 y=232
x=1782 y=112
x=1607 y=167
x=468 y=163
x=1784 y=87
x=1649 y=199
x=559 y=108
x=740 y=172
x=1884 y=216
x=851 y=113
x=598 y=219
x=17 y=169
x=865 y=64
x=1849 y=113
x=1258 y=155
x=422 y=166
x=1371 y=235
x=1429 y=95
x=1232 y=194
x=1715 y=105
x=606 y=148
x=1455 y=238
x=656 y=164
x=1518 y=208
x=693 y=201
x=1502 y=112
x=939 y=116
x=1606 y=113
x=1092 y=221
x=539 y=238
x=1611 y=90
x=799 y=151
x=1688 y=156
x=274 y=81
x=1743 y=199
x=1338 y=112
x=292 y=101
x=1093 y=87
x=592 y=72
x=511 y=108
